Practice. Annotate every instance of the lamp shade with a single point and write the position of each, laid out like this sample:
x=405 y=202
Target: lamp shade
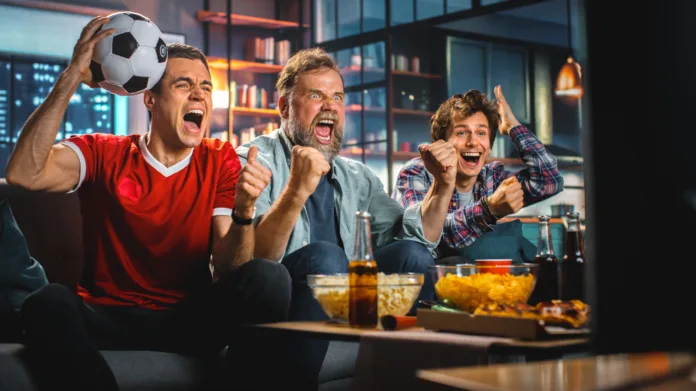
x=569 y=82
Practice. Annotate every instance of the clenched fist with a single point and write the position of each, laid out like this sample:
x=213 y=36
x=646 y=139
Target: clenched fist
x=440 y=159
x=508 y=198
x=252 y=180
x=307 y=167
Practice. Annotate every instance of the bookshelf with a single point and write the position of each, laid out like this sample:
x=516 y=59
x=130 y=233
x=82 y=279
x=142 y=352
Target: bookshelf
x=254 y=49
x=250 y=112
x=243 y=66
x=245 y=20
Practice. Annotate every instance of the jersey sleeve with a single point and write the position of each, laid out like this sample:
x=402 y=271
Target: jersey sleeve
x=90 y=152
x=227 y=182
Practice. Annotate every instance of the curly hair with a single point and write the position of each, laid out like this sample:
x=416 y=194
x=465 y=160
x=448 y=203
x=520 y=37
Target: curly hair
x=461 y=106
x=305 y=60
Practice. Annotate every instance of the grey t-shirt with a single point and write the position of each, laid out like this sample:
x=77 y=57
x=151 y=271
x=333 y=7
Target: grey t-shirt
x=465 y=199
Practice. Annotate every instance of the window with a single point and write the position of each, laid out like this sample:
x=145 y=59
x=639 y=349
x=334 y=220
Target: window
x=483 y=65
x=25 y=83
x=344 y=18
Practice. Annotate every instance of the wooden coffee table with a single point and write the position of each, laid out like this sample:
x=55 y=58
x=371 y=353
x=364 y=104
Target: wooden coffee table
x=665 y=371
x=532 y=350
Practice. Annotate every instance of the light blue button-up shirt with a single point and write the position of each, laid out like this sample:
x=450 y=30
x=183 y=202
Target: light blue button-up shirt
x=356 y=188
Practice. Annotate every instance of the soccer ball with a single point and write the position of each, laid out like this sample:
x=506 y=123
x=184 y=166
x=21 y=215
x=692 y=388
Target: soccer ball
x=132 y=59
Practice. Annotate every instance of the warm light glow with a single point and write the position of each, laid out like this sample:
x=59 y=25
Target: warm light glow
x=221 y=99
x=569 y=82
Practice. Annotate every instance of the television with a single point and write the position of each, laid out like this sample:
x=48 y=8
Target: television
x=640 y=172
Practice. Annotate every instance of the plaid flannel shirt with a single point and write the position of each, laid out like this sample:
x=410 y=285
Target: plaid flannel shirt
x=540 y=180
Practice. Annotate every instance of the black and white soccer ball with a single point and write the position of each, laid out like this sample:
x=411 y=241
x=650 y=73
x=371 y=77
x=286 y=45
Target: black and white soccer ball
x=131 y=60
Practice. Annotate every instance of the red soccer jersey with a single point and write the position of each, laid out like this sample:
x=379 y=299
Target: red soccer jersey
x=147 y=227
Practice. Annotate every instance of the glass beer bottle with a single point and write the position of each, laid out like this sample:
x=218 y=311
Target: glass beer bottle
x=546 y=288
x=573 y=263
x=362 y=276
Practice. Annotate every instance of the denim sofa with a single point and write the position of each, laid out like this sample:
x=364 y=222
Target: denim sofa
x=51 y=224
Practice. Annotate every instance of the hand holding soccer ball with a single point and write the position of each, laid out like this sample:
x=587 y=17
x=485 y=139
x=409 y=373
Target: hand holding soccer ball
x=129 y=54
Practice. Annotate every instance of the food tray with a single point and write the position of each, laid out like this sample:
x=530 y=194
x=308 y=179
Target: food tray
x=498 y=326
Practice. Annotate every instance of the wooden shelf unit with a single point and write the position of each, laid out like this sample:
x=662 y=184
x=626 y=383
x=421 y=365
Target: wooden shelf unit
x=243 y=66
x=250 y=112
x=245 y=20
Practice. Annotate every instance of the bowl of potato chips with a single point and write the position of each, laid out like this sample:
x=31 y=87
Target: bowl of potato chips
x=396 y=293
x=466 y=287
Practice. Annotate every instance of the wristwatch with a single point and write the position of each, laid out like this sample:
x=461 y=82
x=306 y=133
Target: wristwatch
x=240 y=221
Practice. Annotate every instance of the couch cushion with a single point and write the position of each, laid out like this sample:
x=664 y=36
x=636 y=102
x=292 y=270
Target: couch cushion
x=144 y=370
x=52 y=226
x=20 y=274
x=13 y=372
x=339 y=362
x=152 y=371
x=506 y=241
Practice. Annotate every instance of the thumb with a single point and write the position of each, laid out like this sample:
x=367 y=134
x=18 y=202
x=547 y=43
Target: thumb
x=510 y=180
x=251 y=155
x=422 y=149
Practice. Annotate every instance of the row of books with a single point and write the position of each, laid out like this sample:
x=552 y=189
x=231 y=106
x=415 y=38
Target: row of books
x=252 y=96
x=267 y=50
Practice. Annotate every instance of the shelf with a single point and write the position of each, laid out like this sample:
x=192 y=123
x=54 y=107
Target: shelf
x=356 y=69
x=244 y=20
x=416 y=74
x=246 y=66
x=245 y=111
x=355 y=108
x=413 y=112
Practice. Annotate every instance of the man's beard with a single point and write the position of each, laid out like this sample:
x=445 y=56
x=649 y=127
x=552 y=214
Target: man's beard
x=305 y=137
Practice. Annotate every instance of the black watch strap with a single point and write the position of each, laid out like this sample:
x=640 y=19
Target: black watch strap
x=240 y=221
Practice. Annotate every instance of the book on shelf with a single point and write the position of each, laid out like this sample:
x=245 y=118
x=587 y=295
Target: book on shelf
x=245 y=95
x=267 y=50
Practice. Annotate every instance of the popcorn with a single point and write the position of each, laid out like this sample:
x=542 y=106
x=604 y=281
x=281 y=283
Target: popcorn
x=397 y=294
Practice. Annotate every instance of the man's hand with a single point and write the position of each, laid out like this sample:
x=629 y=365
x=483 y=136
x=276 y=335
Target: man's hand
x=440 y=159
x=307 y=167
x=252 y=180
x=507 y=119
x=507 y=199
x=84 y=48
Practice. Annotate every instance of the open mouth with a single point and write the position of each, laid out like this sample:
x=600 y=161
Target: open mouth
x=471 y=159
x=193 y=120
x=324 y=130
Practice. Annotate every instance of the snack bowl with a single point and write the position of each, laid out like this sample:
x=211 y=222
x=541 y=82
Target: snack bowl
x=396 y=293
x=467 y=286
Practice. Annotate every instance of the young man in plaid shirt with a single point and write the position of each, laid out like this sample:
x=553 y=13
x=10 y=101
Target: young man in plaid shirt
x=467 y=195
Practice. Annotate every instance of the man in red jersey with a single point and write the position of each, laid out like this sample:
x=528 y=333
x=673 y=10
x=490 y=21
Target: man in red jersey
x=155 y=208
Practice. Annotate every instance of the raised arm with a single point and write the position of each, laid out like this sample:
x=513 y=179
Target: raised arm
x=440 y=159
x=36 y=163
x=464 y=225
x=541 y=178
x=273 y=231
x=233 y=244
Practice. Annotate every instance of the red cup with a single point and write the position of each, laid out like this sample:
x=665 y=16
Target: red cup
x=495 y=266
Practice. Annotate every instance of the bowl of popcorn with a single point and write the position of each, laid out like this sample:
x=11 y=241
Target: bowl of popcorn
x=466 y=286
x=396 y=293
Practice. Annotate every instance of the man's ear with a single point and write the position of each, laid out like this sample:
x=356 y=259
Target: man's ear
x=149 y=98
x=284 y=107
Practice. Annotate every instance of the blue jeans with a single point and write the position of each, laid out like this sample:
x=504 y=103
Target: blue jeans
x=402 y=256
